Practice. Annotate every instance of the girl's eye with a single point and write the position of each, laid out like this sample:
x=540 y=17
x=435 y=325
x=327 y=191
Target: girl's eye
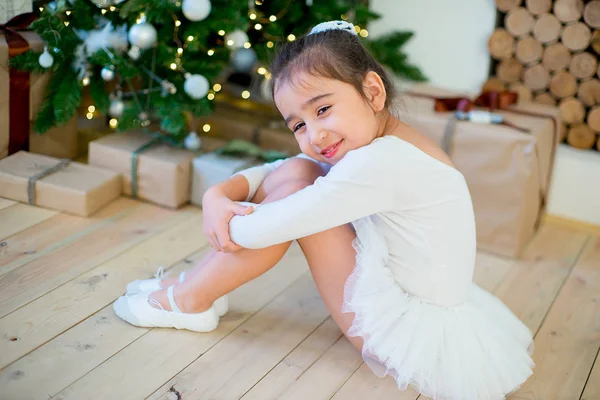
x=323 y=109
x=298 y=126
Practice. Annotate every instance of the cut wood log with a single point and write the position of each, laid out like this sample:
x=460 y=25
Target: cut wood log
x=493 y=85
x=509 y=70
x=591 y=14
x=536 y=77
x=538 y=7
x=577 y=36
x=507 y=5
x=593 y=119
x=501 y=44
x=545 y=98
x=563 y=84
x=568 y=10
x=529 y=50
x=595 y=41
x=547 y=28
x=589 y=92
x=581 y=137
x=556 y=57
x=572 y=111
x=525 y=95
x=519 y=22
x=583 y=65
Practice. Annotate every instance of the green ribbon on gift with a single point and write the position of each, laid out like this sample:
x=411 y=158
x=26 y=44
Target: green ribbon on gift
x=243 y=148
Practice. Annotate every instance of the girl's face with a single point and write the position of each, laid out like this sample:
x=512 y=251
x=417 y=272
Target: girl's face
x=328 y=117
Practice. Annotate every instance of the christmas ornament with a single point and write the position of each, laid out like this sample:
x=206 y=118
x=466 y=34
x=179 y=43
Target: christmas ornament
x=116 y=108
x=134 y=52
x=196 y=86
x=167 y=88
x=106 y=3
x=192 y=141
x=144 y=119
x=243 y=59
x=46 y=60
x=142 y=35
x=108 y=73
x=236 y=39
x=196 y=10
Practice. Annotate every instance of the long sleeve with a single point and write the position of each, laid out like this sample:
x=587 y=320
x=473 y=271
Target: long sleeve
x=359 y=185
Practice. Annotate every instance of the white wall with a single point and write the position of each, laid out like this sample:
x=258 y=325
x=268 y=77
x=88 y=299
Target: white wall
x=450 y=47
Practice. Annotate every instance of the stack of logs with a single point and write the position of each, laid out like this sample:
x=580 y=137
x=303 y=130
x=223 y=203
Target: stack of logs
x=548 y=51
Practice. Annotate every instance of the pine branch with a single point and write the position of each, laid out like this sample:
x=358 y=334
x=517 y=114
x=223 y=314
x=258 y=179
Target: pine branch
x=67 y=98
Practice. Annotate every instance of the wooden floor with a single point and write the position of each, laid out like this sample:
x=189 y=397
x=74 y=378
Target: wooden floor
x=60 y=339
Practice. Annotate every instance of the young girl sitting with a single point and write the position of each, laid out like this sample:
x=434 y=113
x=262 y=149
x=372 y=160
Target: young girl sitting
x=384 y=219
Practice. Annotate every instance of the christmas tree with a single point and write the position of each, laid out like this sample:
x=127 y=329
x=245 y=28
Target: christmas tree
x=146 y=61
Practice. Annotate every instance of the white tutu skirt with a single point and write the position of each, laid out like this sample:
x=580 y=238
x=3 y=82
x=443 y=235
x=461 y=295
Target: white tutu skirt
x=476 y=350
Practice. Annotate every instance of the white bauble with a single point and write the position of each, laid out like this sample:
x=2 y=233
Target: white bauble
x=192 y=141
x=134 y=52
x=108 y=73
x=46 y=60
x=142 y=35
x=196 y=86
x=116 y=108
x=236 y=39
x=243 y=59
x=195 y=10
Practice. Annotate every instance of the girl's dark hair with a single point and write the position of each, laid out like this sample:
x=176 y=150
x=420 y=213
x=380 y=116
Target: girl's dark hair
x=334 y=54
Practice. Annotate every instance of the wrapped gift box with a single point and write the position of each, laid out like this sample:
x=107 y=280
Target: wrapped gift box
x=163 y=173
x=508 y=167
x=61 y=185
x=60 y=141
x=211 y=169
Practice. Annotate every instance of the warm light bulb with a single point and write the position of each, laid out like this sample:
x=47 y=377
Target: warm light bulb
x=364 y=33
x=344 y=17
x=173 y=66
x=270 y=44
x=103 y=11
x=211 y=96
x=41 y=9
x=90 y=115
x=91 y=109
x=252 y=16
x=66 y=23
x=247 y=45
x=68 y=12
x=206 y=128
x=245 y=94
x=190 y=38
x=272 y=18
x=113 y=123
x=357 y=28
x=216 y=87
x=230 y=42
x=180 y=50
x=258 y=27
x=291 y=37
x=178 y=23
x=211 y=52
x=85 y=81
x=222 y=32
x=262 y=70
x=112 y=8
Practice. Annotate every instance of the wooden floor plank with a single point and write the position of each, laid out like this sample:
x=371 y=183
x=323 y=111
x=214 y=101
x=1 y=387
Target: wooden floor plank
x=6 y=203
x=323 y=379
x=568 y=341
x=273 y=385
x=48 y=316
x=38 y=277
x=48 y=370
x=57 y=232
x=364 y=384
x=17 y=217
x=139 y=370
x=592 y=388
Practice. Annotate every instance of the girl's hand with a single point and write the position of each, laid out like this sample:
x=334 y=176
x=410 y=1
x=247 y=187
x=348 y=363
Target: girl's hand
x=218 y=211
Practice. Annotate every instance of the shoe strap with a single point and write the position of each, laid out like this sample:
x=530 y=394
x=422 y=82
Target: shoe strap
x=172 y=300
x=182 y=277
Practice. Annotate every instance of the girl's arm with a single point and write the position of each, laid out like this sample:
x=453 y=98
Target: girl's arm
x=359 y=185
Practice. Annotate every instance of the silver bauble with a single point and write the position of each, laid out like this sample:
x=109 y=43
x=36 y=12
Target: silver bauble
x=195 y=10
x=236 y=39
x=116 y=108
x=108 y=73
x=134 y=52
x=142 y=35
x=46 y=60
x=243 y=59
x=192 y=141
x=196 y=86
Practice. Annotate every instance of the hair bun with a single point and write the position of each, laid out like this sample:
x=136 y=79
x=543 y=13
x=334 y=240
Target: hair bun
x=333 y=25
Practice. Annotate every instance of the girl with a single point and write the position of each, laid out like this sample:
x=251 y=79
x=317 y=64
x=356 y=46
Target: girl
x=385 y=222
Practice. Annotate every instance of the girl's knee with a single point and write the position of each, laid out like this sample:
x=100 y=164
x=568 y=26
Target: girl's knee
x=296 y=169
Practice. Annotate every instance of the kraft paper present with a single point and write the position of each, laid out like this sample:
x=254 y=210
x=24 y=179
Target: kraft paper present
x=12 y=8
x=163 y=173
x=508 y=168
x=70 y=187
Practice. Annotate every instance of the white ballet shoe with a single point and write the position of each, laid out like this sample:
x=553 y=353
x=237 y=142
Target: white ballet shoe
x=153 y=285
x=136 y=309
